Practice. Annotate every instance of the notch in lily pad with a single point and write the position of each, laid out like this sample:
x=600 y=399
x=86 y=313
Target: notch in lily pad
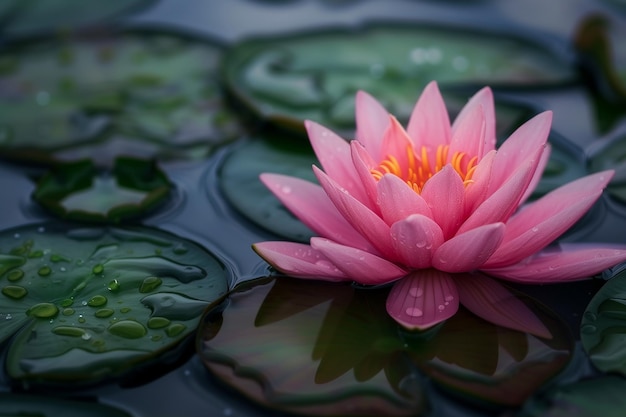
x=80 y=191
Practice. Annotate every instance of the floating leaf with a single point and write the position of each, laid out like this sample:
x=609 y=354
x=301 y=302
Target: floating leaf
x=603 y=396
x=331 y=349
x=611 y=154
x=87 y=303
x=603 y=327
x=78 y=191
x=315 y=75
x=68 y=98
x=40 y=406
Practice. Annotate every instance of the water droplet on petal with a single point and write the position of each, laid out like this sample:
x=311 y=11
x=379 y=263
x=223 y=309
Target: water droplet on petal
x=449 y=297
x=421 y=244
x=414 y=312
x=416 y=292
x=286 y=189
x=535 y=229
x=441 y=307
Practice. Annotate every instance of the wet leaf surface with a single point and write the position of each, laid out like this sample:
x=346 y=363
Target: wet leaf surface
x=156 y=91
x=611 y=154
x=603 y=327
x=79 y=191
x=40 y=406
x=87 y=303
x=332 y=349
x=315 y=75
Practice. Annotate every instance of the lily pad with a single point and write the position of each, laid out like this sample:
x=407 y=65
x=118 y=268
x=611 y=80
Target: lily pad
x=158 y=91
x=603 y=327
x=89 y=303
x=21 y=17
x=40 y=406
x=611 y=154
x=78 y=191
x=315 y=75
x=331 y=349
x=603 y=396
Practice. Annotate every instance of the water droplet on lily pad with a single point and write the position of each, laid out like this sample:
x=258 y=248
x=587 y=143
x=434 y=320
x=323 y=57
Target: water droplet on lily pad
x=80 y=305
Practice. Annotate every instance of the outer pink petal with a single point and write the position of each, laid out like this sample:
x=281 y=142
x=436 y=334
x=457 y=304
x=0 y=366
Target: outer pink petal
x=493 y=302
x=468 y=133
x=359 y=265
x=397 y=200
x=299 y=260
x=541 y=166
x=334 y=155
x=501 y=204
x=469 y=250
x=476 y=191
x=415 y=239
x=363 y=164
x=445 y=194
x=309 y=203
x=396 y=142
x=429 y=124
x=520 y=146
x=573 y=263
x=362 y=219
x=540 y=223
x=371 y=122
x=423 y=299
x=483 y=99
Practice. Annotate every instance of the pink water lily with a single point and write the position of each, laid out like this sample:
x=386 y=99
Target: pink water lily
x=428 y=206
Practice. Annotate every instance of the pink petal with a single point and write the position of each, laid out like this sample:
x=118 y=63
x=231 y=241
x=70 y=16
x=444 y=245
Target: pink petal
x=361 y=218
x=573 y=263
x=540 y=223
x=309 y=203
x=398 y=201
x=445 y=194
x=299 y=260
x=423 y=299
x=371 y=122
x=493 y=302
x=476 y=191
x=519 y=147
x=334 y=155
x=363 y=164
x=359 y=265
x=415 y=239
x=468 y=251
x=429 y=124
x=468 y=133
x=484 y=100
x=501 y=204
x=397 y=143
x=541 y=166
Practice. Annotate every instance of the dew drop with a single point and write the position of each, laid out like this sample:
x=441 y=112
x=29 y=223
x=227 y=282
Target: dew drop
x=68 y=311
x=591 y=316
x=103 y=313
x=449 y=298
x=8 y=316
x=158 y=322
x=97 y=301
x=421 y=244
x=125 y=310
x=416 y=292
x=286 y=189
x=81 y=319
x=43 y=310
x=98 y=269
x=86 y=336
x=175 y=329
x=69 y=331
x=14 y=291
x=414 y=312
x=150 y=284
x=588 y=329
x=441 y=307
x=113 y=286
x=67 y=302
x=44 y=271
x=128 y=329
x=15 y=275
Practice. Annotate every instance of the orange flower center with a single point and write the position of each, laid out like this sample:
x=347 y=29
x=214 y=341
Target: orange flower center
x=418 y=168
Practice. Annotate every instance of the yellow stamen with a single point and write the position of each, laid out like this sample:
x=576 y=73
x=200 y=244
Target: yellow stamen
x=416 y=170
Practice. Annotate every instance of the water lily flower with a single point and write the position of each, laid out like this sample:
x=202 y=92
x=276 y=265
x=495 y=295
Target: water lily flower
x=427 y=206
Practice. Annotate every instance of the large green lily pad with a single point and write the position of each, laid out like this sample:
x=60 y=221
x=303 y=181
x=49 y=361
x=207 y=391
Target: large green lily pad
x=611 y=154
x=331 y=349
x=40 y=406
x=603 y=327
x=78 y=191
x=69 y=97
x=87 y=303
x=315 y=75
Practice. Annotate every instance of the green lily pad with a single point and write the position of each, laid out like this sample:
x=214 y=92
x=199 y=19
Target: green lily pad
x=331 y=349
x=156 y=91
x=88 y=303
x=611 y=154
x=78 y=191
x=603 y=396
x=21 y=17
x=40 y=406
x=315 y=75
x=603 y=327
